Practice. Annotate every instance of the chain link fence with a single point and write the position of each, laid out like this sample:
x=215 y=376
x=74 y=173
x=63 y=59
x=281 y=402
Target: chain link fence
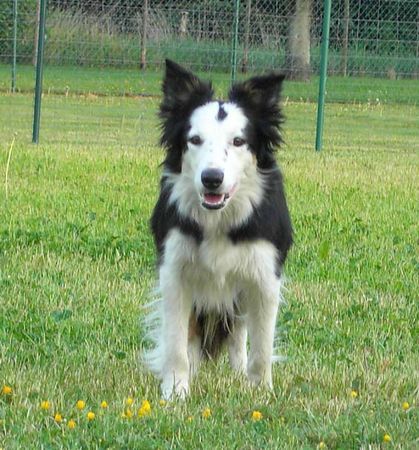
x=118 y=47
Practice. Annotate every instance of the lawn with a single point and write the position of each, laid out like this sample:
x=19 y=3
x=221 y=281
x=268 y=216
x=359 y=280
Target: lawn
x=77 y=263
x=131 y=82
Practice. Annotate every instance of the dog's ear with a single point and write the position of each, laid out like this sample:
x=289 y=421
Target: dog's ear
x=182 y=90
x=259 y=98
x=262 y=92
x=182 y=93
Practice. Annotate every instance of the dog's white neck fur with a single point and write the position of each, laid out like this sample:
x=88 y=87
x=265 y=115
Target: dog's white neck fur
x=217 y=151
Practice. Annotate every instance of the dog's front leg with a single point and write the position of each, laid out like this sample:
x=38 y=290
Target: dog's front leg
x=177 y=305
x=262 y=312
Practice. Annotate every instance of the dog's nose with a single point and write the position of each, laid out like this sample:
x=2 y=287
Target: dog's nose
x=212 y=178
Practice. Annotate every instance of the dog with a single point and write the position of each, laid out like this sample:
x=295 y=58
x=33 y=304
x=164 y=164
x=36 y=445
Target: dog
x=221 y=228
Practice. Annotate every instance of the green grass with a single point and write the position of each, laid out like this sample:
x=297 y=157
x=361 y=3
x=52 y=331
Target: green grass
x=131 y=82
x=77 y=263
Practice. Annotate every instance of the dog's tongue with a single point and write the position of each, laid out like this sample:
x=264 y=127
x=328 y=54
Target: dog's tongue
x=213 y=198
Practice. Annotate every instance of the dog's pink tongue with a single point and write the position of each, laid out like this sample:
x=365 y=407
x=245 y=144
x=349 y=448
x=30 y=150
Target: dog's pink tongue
x=214 y=198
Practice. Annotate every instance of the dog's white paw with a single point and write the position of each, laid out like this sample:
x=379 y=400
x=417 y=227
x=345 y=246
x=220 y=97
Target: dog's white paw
x=172 y=390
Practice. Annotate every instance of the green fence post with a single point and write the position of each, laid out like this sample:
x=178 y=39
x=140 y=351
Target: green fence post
x=234 y=42
x=323 y=74
x=14 y=45
x=39 y=71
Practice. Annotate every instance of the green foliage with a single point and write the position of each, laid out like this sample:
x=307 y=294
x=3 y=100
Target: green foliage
x=25 y=28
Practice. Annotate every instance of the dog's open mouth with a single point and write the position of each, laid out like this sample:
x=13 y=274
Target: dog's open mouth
x=216 y=200
x=212 y=200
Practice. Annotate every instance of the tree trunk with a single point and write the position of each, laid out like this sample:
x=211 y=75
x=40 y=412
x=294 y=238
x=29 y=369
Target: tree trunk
x=345 y=42
x=298 y=45
x=143 y=61
x=35 y=47
x=245 y=61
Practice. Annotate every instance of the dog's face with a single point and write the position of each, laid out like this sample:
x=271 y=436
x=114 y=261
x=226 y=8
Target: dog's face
x=215 y=144
x=217 y=152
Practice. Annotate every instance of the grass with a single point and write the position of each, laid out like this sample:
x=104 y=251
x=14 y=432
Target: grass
x=131 y=82
x=77 y=263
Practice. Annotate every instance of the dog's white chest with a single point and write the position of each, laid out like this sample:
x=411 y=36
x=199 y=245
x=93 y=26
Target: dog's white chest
x=216 y=270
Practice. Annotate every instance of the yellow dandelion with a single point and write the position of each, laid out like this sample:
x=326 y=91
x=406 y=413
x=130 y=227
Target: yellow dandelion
x=104 y=404
x=206 y=413
x=128 y=414
x=145 y=405
x=387 y=438
x=6 y=390
x=405 y=406
x=71 y=424
x=81 y=404
x=91 y=416
x=189 y=419
x=58 y=417
x=129 y=401
x=45 y=405
x=256 y=416
x=162 y=402
x=354 y=393
x=322 y=445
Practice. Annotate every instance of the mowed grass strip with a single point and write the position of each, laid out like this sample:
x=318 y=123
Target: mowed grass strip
x=77 y=264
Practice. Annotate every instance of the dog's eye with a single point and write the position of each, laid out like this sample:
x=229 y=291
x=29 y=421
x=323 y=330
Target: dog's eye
x=238 y=142
x=195 y=140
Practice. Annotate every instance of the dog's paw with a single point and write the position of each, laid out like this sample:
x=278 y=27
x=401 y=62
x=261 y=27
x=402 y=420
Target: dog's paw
x=175 y=390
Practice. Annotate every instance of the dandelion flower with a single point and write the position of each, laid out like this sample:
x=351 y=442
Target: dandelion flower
x=128 y=414
x=58 y=417
x=6 y=390
x=189 y=419
x=45 y=405
x=146 y=406
x=354 y=393
x=387 y=438
x=129 y=401
x=81 y=404
x=405 y=406
x=256 y=416
x=322 y=445
x=91 y=416
x=206 y=413
x=162 y=402
x=71 y=424
x=104 y=404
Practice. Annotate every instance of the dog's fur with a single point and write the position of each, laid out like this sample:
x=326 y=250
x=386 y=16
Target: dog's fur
x=223 y=234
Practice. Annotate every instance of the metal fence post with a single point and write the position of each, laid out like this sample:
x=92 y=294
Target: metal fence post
x=39 y=71
x=323 y=74
x=14 y=45
x=235 y=40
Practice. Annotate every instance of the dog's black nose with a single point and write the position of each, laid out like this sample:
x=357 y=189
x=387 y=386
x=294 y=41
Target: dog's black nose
x=212 y=178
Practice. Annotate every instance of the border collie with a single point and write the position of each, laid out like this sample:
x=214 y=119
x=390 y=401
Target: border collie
x=221 y=227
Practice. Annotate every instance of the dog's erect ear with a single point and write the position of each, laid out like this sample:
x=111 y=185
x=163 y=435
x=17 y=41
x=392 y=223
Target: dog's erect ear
x=260 y=92
x=183 y=90
x=259 y=98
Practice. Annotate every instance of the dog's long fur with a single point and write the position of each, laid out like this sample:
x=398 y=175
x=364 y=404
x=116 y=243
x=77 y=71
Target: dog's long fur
x=221 y=227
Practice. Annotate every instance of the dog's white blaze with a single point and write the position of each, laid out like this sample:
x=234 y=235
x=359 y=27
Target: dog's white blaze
x=217 y=149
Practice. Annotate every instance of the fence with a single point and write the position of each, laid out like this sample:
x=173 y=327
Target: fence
x=117 y=47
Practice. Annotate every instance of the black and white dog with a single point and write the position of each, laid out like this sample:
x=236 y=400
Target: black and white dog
x=221 y=227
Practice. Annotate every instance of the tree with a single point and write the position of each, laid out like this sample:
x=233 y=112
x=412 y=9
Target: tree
x=298 y=43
